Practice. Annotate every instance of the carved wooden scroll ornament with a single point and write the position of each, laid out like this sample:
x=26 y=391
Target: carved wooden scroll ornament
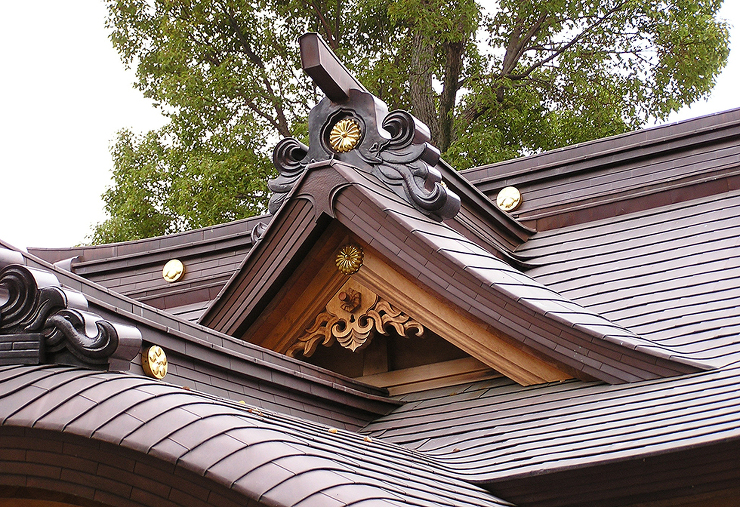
x=352 y=317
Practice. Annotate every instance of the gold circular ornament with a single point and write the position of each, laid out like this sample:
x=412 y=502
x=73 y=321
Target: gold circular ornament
x=509 y=199
x=173 y=270
x=154 y=362
x=349 y=259
x=344 y=136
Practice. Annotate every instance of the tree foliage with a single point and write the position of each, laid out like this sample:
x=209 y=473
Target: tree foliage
x=492 y=83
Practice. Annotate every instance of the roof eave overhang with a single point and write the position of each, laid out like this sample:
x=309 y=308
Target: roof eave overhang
x=335 y=190
x=211 y=347
x=700 y=472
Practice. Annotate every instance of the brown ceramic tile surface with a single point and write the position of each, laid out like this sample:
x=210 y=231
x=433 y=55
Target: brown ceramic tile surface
x=339 y=464
x=496 y=429
x=622 y=174
x=670 y=274
x=205 y=360
x=579 y=331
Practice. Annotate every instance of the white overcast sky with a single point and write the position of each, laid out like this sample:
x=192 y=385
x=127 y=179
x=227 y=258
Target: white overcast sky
x=65 y=93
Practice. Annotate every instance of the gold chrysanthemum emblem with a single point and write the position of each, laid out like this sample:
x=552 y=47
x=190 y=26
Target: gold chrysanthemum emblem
x=349 y=259
x=344 y=135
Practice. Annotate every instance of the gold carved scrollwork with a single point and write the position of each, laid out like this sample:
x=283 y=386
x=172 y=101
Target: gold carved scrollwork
x=352 y=318
x=154 y=362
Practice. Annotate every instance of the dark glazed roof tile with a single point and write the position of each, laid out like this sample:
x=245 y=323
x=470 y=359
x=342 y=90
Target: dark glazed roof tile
x=205 y=455
x=116 y=429
x=160 y=425
x=631 y=172
x=322 y=500
x=233 y=365
x=167 y=450
x=258 y=481
x=496 y=430
x=294 y=490
x=669 y=274
x=479 y=282
x=263 y=455
x=257 y=455
x=352 y=495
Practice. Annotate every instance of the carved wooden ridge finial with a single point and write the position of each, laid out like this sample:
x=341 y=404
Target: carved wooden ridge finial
x=353 y=126
x=352 y=317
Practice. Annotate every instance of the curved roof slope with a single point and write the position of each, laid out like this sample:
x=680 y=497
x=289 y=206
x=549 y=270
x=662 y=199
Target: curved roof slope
x=451 y=266
x=500 y=295
x=205 y=360
x=621 y=174
x=671 y=274
x=497 y=433
x=268 y=457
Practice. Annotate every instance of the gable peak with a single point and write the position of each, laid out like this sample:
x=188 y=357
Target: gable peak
x=353 y=126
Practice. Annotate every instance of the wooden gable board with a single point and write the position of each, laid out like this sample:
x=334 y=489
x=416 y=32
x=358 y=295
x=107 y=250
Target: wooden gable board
x=458 y=275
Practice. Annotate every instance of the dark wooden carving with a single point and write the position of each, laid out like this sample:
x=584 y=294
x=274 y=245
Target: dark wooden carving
x=39 y=325
x=288 y=158
x=257 y=232
x=393 y=146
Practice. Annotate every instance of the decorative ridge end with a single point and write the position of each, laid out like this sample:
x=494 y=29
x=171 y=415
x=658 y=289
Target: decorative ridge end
x=288 y=157
x=353 y=126
x=40 y=322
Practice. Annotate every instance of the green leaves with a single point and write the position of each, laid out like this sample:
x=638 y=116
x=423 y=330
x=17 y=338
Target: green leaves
x=161 y=187
x=517 y=79
x=562 y=72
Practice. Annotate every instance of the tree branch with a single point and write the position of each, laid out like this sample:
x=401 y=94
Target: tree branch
x=281 y=123
x=333 y=42
x=565 y=47
x=518 y=45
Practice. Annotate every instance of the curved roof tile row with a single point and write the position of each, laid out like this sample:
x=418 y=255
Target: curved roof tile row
x=496 y=429
x=269 y=457
x=497 y=293
x=670 y=274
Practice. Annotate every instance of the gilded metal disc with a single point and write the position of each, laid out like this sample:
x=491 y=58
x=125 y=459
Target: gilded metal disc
x=173 y=270
x=345 y=135
x=349 y=259
x=154 y=362
x=509 y=199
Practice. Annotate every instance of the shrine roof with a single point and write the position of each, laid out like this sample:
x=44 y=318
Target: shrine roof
x=669 y=274
x=450 y=265
x=621 y=174
x=526 y=443
x=203 y=359
x=267 y=456
x=149 y=247
x=134 y=268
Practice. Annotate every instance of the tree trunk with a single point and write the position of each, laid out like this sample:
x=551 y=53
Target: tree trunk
x=420 y=81
x=453 y=70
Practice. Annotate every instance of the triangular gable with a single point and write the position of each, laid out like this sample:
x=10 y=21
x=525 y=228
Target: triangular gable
x=423 y=267
x=386 y=191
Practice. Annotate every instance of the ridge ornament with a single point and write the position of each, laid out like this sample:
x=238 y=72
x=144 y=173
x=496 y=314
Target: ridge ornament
x=353 y=126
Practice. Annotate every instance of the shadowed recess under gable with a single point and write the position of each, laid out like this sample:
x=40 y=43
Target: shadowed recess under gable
x=405 y=327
